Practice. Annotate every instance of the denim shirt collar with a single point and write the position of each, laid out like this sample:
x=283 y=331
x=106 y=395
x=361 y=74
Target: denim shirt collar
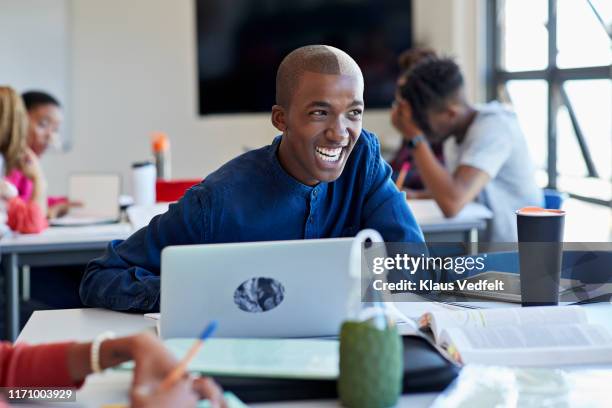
x=285 y=178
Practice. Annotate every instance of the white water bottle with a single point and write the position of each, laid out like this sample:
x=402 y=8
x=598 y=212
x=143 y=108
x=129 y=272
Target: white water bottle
x=143 y=183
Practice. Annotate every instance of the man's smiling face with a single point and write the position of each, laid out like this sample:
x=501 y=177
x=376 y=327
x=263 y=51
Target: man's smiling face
x=320 y=126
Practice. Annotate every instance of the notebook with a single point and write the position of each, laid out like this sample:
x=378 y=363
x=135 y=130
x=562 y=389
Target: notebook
x=307 y=359
x=231 y=400
x=99 y=196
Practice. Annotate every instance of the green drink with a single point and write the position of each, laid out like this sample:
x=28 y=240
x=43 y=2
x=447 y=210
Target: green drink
x=371 y=365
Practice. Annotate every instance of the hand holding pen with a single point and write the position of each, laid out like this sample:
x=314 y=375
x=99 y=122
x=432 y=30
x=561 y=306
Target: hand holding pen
x=163 y=382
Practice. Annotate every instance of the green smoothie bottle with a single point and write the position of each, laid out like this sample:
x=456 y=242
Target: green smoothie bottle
x=371 y=350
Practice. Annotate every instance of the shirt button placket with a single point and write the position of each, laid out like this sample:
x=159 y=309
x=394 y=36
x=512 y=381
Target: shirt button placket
x=310 y=227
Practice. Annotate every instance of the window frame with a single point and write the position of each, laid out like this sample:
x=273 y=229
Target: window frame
x=554 y=76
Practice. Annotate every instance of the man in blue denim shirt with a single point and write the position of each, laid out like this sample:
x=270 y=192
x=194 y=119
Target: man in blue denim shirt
x=322 y=178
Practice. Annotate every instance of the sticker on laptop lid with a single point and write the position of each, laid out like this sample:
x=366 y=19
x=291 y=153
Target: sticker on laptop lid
x=259 y=294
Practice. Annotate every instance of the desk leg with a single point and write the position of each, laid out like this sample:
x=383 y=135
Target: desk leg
x=25 y=283
x=11 y=287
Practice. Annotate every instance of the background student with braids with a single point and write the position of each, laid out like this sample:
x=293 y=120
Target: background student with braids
x=412 y=185
x=485 y=152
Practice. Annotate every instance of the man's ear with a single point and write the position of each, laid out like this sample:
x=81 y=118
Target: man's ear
x=279 y=118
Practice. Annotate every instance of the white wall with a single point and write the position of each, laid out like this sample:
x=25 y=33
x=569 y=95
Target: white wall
x=456 y=28
x=133 y=71
x=34 y=48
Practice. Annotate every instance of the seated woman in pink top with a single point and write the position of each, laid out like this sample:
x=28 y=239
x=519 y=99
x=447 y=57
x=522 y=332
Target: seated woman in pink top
x=25 y=215
x=44 y=120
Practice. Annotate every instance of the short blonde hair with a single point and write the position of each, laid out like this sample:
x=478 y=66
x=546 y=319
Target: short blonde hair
x=13 y=128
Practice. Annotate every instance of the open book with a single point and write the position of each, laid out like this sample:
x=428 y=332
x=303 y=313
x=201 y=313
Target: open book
x=534 y=336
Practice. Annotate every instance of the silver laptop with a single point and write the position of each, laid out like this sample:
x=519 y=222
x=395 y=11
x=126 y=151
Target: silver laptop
x=98 y=194
x=257 y=289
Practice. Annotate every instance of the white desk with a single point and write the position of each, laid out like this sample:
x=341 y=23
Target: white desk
x=55 y=246
x=461 y=228
x=112 y=387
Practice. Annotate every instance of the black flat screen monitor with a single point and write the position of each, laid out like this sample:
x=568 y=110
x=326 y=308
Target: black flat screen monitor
x=241 y=43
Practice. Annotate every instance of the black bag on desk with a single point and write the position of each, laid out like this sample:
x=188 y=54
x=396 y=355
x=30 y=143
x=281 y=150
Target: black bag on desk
x=425 y=370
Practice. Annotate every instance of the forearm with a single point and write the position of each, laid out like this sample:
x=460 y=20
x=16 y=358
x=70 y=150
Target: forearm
x=439 y=182
x=132 y=289
x=123 y=279
x=44 y=365
x=112 y=353
x=39 y=193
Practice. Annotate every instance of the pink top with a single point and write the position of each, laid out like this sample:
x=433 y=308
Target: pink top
x=24 y=216
x=25 y=186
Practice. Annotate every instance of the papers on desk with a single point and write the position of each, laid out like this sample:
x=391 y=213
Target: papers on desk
x=306 y=359
x=427 y=211
x=141 y=215
x=511 y=287
x=80 y=221
x=66 y=235
x=484 y=387
x=231 y=400
x=94 y=230
x=408 y=313
x=156 y=318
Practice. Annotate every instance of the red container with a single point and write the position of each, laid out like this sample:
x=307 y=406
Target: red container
x=172 y=190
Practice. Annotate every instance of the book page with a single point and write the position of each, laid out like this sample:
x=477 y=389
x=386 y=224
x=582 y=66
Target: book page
x=530 y=344
x=542 y=315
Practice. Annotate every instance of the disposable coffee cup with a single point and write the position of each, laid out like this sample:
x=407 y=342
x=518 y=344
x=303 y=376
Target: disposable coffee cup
x=540 y=236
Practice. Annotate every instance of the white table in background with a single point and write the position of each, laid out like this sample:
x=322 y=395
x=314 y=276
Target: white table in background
x=55 y=246
x=72 y=245
x=463 y=227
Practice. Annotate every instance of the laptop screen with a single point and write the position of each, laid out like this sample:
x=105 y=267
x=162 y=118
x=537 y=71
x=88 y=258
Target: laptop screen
x=98 y=194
